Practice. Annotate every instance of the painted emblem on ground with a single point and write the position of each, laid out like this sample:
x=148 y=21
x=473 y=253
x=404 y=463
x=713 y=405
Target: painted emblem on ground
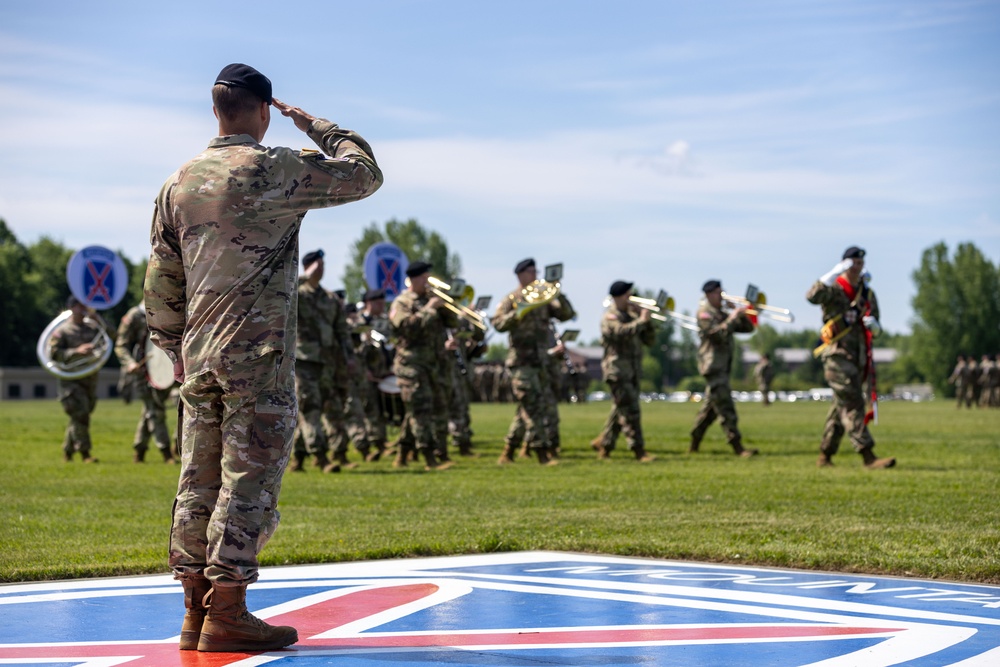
x=523 y=609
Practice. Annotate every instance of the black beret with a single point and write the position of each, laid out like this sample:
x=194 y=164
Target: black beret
x=72 y=301
x=524 y=265
x=619 y=287
x=711 y=286
x=374 y=294
x=417 y=268
x=350 y=308
x=340 y=294
x=239 y=75
x=854 y=252
x=311 y=257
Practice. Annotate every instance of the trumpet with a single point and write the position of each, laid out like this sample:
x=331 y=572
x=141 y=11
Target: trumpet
x=455 y=297
x=758 y=305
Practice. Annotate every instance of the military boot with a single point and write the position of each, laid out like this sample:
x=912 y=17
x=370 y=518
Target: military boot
x=506 y=456
x=401 y=458
x=642 y=456
x=168 y=456
x=873 y=463
x=195 y=591
x=376 y=453
x=341 y=458
x=299 y=465
x=229 y=627
x=139 y=456
x=825 y=461
x=545 y=457
x=695 y=444
x=87 y=458
x=740 y=450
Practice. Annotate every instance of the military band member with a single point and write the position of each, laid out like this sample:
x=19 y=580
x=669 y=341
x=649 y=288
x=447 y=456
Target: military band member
x=850 y=319
x=314 y=364
x=419 y=320
x=715 y=359
x=468 y=345
x=763 y=372
x=960 y=378
x=623 y=334
x=527 y=361
x=72 y=340
x=344 y=417
x=221 y=301
x=375 y=358
x=130 y=348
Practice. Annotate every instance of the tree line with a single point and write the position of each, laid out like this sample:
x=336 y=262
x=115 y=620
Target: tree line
x=956 y=310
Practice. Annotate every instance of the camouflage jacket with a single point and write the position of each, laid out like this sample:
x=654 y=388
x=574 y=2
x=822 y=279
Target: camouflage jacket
x=764 y=371
x=419 y=331
x=960 y=376
x=375 y=354
x=836 y=303
x=130 y=343
x=715 y=353
x=314 y=340
x=221 y=281
x=67 y=337
x=531 y=333
x=622 y=335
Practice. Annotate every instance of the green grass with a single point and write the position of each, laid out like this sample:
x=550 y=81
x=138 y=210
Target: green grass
x=936 y=515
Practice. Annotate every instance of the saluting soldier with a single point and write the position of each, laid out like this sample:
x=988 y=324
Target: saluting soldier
x=221 y=293
x=715 y=359
x=130 y=348
x=623 y=334
x=527 y=361
x=72 y=340
x=419 y=320
x=850 y=320
x=314 y=364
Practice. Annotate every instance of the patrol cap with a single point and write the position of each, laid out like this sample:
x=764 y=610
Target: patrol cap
x=417 y=268
x=524 y=265
x=619 y=287
x=311 y=257
x=711 y=286
x=374 y=295
x=239 y=75
x=854 y=252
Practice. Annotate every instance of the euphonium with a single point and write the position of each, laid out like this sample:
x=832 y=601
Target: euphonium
x=79 y=368
x=535 y=294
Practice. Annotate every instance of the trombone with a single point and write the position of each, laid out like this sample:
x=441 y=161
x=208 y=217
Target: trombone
x=756 y=304
x=662 y=309
x=455 y=296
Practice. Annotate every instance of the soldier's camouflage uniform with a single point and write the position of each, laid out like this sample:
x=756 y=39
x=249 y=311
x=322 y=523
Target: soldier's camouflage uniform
x=715 y=361
x=130 y=347
x=315 y=362
x=374 y=359
x=461 y=371
x=527 y=360
x=763 y=372
x=844 y=364
x=221 y=296
x=78 y=397
x=960 y=378
x=622 y=336
x=419 y=367
x=343 y=416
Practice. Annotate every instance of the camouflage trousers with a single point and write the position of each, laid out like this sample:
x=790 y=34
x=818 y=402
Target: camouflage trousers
x=530 y=385
x=717 y=404
x=371 y=401
x=78 y=398
x=459 y=420
x=153 y=420
x=313 y=384
x=625 y=416
x=351 y=424
x=847 y=413
x=236 y=440
x=425 y=398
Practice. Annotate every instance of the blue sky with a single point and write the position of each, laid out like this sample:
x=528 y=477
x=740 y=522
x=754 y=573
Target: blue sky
x=664 y=142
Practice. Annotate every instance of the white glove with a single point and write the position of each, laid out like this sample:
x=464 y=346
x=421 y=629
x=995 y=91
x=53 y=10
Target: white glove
x=872 y=325
x=829 y=278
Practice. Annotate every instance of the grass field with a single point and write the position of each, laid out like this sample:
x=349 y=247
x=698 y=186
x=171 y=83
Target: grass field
x=936 y=515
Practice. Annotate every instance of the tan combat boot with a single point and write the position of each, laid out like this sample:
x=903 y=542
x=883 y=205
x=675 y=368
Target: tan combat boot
x=229 y=627
x=168 y=456
x=825 y=461
x=506 y=456
x=299 y=465
x=873 y=463
x=195 y=591
x=642 y=456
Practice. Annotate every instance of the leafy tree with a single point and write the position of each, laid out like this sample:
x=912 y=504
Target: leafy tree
x=413 y=239
x=957 y=310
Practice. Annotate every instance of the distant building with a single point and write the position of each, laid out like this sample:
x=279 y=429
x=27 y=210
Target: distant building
x=36 y=383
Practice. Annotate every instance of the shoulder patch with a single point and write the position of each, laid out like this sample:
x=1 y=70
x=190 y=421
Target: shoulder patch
x=704 y=315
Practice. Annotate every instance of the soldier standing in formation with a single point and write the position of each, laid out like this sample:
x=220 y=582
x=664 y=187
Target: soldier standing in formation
x=850 y=320
x=345 y=419
x=375 y=359
x=130 y=348
x=221 y=301
x=419 y=320
x=622 y=336
x=960 y=378
x=71 y=341
x=763 y=372
x=527 y=361
x=314 y=364
x=715 y=360
x=468 y=345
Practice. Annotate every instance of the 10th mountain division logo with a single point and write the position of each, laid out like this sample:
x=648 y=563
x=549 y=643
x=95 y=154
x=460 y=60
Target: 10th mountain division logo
x=534 y=608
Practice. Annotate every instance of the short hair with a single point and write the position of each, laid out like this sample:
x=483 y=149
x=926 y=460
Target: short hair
x=233 y=103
